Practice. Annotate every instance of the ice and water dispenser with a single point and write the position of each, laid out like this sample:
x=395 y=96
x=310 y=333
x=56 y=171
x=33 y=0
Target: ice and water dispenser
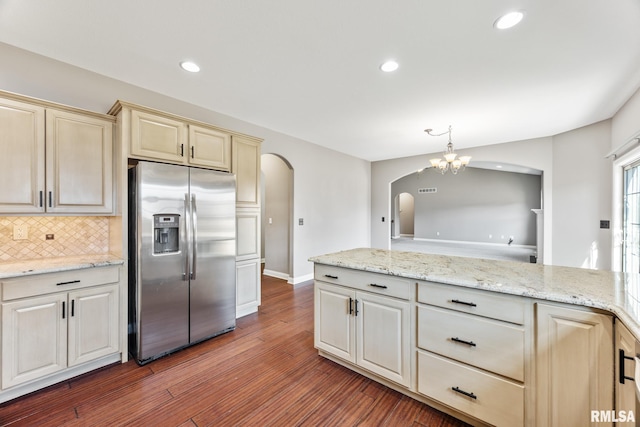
x=166 y=233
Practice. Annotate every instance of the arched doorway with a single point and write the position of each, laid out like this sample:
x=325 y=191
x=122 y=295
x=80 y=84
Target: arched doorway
x=277 y=216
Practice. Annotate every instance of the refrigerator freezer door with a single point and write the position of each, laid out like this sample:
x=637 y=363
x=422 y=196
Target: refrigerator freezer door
x=163 y=286
x=212 y=290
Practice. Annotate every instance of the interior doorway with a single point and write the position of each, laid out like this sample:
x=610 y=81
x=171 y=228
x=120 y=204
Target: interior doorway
x=404 y=216
x=277 y=216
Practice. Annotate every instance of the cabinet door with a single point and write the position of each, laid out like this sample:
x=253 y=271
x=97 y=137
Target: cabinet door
x=34 y=338
x=93 y=323
x=209 y=148
x=79 y=163
x=573 y=361
x=383 y=331
x=625 y=388
x=22 y=159
x=246 y=166
x=157 y=137
x=247 y=234
x=334 y=329
x=248 y=293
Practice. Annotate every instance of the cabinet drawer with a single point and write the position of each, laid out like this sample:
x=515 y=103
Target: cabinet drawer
x=494 y=400
x=363 y=280
x=41 y=284
x=488 y=344
x=482 y=303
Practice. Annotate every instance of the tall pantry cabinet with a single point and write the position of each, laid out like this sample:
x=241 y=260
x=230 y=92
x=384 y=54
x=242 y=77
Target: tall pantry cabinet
x=148 y=134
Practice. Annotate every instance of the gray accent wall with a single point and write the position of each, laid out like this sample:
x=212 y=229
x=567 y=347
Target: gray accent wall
x=476 y=205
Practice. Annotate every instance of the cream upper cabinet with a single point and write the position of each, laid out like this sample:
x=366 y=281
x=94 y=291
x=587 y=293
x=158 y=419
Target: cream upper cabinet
x=167 y=138
x=79 y=171
x=246 y=165
x=54 y=160
x=158 y=137
x=210 y=148
x=22 y=159
x=574 y=357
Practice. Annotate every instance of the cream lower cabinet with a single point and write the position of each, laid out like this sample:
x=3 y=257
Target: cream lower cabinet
x=472 y=349
x=367 y=329
x=574 y=357
x=625 y=362
x=47 y=330
x=248 y=264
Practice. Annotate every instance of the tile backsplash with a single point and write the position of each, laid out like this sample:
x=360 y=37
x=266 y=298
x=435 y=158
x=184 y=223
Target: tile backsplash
x=71 y=236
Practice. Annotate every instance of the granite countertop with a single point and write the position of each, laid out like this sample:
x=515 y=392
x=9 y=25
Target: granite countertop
x=618 y=293
x=10 y=270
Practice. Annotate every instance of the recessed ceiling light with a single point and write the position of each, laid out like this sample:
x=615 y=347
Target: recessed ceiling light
x=192 y=67
x=389 y=66
x=509 y=20
x=499 y=166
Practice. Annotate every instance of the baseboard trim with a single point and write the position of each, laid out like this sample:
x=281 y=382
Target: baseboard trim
x=301 y=280
x=464 y=242
x=276 y=274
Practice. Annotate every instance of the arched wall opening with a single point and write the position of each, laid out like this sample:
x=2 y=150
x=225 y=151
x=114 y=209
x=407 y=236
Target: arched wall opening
x=490 y=210
x=277 y=216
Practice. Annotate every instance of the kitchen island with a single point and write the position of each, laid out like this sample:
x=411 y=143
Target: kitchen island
x=492 y=342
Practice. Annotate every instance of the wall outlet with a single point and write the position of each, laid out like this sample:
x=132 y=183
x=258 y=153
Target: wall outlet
x=20 y=232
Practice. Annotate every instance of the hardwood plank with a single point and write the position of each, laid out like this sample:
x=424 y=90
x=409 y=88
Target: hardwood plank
x=264 y=373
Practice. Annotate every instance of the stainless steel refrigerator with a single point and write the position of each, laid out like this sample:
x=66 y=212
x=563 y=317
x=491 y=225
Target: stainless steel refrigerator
x=182 y=248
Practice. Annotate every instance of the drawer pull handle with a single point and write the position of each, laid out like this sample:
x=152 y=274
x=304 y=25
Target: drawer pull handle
x=466 y=393
x=470 y=304
x=456 y=339
x=330 y=276
x=350 y=305
x=67 y=283
x=623 y=376
x=378 y=286
x=356 y=307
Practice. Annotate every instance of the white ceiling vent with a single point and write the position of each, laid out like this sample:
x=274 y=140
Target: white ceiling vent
x=427 y=190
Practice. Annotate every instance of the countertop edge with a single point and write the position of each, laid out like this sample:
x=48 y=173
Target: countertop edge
x=24 y=269
x=587 y=301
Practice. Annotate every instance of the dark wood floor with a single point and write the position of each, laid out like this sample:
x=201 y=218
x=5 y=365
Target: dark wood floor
x=265 y=373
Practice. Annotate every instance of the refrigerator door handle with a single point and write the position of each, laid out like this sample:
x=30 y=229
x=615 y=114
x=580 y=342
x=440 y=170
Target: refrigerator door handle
x=186 y=227
x=194 y=236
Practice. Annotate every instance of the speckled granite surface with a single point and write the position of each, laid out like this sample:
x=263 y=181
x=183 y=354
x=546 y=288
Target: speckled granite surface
x=618 y=293
x=51 y=265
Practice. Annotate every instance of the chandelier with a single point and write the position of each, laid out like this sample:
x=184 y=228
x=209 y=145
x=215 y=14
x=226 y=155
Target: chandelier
x=451 y=160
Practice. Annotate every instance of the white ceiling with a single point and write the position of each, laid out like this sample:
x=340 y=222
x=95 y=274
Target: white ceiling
x=310 y=68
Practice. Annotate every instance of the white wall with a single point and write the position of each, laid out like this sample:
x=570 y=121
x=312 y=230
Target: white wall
x=582 y=180
x=331 y=190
